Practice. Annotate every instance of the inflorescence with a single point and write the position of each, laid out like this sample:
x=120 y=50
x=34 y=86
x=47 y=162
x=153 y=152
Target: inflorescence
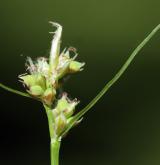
x=43 y=77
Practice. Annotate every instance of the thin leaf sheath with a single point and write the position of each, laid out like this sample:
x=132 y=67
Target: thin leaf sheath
x=114 y=79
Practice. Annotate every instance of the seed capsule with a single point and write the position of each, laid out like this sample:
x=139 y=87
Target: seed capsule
x=75 y=66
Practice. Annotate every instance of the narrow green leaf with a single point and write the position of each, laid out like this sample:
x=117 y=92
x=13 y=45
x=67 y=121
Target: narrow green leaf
x=15 y=91
x=114 y=79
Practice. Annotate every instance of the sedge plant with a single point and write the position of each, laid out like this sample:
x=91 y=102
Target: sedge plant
x=43 y=81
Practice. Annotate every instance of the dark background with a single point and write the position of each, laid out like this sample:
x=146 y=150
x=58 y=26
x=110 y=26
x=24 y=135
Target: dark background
x=124 y=127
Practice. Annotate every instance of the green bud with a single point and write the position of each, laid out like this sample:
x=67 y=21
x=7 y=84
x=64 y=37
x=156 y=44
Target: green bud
x=36 y=90
x=28 y=80
x=62 y=104
x=75 y=66
x=32 y=80
x=66 y=106
x=60 y=123
x=40 y=80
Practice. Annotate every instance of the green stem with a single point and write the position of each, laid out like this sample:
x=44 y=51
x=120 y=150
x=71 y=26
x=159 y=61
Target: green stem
x=50 y=121
x=55 y=141
x=55 y=146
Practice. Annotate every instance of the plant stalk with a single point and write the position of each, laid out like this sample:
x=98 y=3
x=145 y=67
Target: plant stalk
x=55 y=146
x=54 y=140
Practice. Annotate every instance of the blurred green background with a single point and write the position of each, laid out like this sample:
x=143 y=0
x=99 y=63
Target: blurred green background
x=124 y=126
